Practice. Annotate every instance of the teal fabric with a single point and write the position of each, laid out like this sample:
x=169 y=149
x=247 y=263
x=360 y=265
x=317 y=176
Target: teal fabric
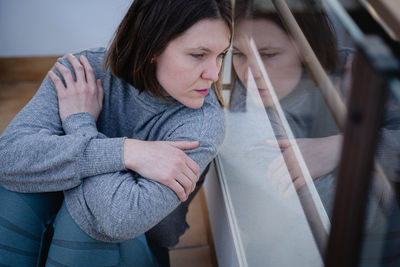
x=24 y=219
x=73 y=247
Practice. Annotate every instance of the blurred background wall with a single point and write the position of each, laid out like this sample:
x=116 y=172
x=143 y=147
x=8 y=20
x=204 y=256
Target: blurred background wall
x=55 y=27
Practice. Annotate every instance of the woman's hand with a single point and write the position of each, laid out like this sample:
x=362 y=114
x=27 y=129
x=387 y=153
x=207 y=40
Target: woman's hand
x=83 y=95
x=320 y=155
x=164 y=162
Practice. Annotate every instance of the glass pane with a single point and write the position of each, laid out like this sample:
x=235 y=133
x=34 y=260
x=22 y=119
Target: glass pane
x=283 y=137
x=381 y=238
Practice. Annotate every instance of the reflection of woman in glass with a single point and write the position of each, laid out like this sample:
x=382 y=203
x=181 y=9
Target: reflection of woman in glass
x=119 y=162
x=315 y=131
x=310 y=120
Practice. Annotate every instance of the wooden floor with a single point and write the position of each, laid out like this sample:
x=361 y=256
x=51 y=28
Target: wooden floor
x=20 y=79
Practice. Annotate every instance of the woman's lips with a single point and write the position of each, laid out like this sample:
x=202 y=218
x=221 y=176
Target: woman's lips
x=202 y=91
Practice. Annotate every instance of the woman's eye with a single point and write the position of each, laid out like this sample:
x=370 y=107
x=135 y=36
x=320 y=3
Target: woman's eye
x=222 y=55
x=269 y=55
x=237 y=54
x=197 y=56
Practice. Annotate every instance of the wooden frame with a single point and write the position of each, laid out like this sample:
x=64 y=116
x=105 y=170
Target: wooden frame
x=357 y=161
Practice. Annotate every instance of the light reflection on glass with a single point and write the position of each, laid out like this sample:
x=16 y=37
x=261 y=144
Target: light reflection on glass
x=282 y=146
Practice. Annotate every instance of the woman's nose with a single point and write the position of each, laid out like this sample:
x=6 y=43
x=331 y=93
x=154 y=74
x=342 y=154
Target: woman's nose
x=255 y=69
x=211 y=71
x=252 y=66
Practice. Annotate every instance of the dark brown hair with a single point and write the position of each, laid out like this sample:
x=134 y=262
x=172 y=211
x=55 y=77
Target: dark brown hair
x=312 y=20
x=145 y=32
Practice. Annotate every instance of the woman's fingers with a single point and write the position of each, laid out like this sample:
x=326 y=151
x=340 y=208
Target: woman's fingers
x=276 y=172
x=186 y=183
x=178 y=189
x=88 y=71
x=190 y=171
x=184 y=145
x=193 y=171
x=78 y=68
x=83 y=95
x=193 y=166
x=276 y=164
x=174 y=169
x=284 y=171
x=66 y=74
x=281 y=180
x=192 y=176
x=57 y=83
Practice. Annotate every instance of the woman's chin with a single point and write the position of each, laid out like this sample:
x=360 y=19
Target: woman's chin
x=194 y=103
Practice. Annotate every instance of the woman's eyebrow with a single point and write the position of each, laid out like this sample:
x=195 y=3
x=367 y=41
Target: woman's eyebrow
x=269 y=48
x=206 y=49
x=234 y=47
x=265 y=48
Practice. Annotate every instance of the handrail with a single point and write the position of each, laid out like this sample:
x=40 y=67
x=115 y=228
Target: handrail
x=359 y=147
x=386 y=13
x=328 y=91
x=332 y=99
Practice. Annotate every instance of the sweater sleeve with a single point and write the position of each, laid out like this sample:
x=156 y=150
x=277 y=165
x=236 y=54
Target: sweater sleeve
x=37 y=156
x=120 y=206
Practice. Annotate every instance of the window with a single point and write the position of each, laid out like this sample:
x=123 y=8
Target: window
x=296 y=67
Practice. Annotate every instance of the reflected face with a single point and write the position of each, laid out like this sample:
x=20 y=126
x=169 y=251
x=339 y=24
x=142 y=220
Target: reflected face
x=278 y=54
x=191 y=63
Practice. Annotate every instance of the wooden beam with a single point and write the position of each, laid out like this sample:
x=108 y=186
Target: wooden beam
x=388 y=13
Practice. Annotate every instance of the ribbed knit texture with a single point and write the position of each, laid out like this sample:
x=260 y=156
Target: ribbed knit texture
x=85 y=158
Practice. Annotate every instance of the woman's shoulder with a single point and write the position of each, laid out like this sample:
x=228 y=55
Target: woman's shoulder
x=94 y=55
x=206 y=123
x=214 y=120
x=211 y=111
x=96 y=58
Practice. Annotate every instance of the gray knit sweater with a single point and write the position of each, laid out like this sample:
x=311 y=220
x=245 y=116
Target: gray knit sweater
x=85 y=160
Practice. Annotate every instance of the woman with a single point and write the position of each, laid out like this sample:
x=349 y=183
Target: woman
x=316 y=133
x=119 y=179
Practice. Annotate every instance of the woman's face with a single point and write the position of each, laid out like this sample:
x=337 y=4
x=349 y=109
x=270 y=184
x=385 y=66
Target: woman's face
x=278 y=54
x=191 y=63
